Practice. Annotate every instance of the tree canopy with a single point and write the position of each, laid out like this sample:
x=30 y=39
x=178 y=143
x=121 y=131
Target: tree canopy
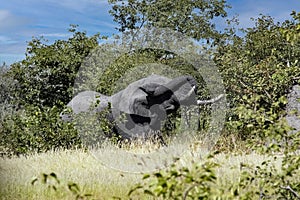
x=191 y=17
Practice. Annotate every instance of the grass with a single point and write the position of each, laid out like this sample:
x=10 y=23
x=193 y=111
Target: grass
x=76 y=166
x=91 y=175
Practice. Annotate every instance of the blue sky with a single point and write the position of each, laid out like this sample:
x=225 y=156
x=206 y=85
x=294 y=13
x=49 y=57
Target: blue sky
x=20 y=20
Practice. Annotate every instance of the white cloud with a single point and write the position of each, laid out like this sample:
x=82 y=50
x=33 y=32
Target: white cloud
x=56 y=35
x=80 y=5
x=9 y=21
x=6 y=40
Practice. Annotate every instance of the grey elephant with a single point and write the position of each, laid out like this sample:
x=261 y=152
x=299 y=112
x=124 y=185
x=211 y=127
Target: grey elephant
x=140 y=109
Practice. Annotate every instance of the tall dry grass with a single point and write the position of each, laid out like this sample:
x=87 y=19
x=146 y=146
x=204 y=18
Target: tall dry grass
x=83 y=168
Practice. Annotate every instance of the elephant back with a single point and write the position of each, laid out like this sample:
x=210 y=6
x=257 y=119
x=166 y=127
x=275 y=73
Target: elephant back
x=86 y=101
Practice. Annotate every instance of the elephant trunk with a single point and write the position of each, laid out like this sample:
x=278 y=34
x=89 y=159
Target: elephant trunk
x=173 y=85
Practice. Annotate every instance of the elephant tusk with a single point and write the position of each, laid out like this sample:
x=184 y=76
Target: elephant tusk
x=203 y=102
x=191 y=91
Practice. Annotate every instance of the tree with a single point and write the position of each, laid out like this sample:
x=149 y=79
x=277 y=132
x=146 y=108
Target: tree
x=43 y=84
x=46 y=76
x=191 y=17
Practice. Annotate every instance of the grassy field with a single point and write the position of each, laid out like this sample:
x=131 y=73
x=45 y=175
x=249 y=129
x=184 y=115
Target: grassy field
x=92 y=177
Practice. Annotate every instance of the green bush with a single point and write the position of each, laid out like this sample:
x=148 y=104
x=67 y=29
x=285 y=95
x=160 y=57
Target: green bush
x=184 y=183
x=54 y=183
x=46 y=76
x=6 y=87
x=36 y=130
x=258 y=71
x=112 y=73
x=34 y=92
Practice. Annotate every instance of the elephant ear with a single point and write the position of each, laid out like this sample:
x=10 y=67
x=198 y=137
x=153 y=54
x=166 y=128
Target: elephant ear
x=140 y=105
x=131 y=101
x=134 y=98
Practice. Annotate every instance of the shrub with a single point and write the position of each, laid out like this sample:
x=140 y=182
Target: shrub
x=265 y=180
x=184 y=183
x=258 y=72
x=34 y=92
x=36 y=130
x=46 y=76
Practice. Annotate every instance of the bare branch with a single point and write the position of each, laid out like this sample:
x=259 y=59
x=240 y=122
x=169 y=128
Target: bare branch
x=291 y=190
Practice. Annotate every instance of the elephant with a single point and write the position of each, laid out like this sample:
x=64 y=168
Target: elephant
x=144 y=104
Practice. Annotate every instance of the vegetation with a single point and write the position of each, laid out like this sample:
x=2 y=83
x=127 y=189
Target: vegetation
x=223 y=176
x=276 y=176
x=192 y=18
x=35 y=92
x=6 y=85
x=36 y=130
x=46 y=76
x=258 y=69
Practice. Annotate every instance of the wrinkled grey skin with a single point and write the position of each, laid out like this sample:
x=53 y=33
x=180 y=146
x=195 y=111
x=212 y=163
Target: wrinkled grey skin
x=145 y=103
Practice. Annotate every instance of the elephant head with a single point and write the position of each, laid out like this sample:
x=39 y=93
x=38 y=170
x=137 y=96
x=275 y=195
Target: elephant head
x=141 y=95
x=148 y=101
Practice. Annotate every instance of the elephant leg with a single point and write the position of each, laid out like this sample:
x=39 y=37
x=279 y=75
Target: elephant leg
x=158 y=114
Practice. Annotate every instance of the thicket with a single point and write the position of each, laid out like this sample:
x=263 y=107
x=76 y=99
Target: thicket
x=264 y=180
x=258 y=70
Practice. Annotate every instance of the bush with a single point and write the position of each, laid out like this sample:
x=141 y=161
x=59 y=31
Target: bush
x=34 y=92
x=6 y=87
x=46 y=76
x=36 y=130
x=184 y=183
x=258 y=72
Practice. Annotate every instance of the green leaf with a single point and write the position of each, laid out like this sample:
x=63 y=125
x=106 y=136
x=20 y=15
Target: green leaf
x=158 y=174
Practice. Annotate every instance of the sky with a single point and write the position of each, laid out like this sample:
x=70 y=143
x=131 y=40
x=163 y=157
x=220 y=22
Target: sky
x=20 y=20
